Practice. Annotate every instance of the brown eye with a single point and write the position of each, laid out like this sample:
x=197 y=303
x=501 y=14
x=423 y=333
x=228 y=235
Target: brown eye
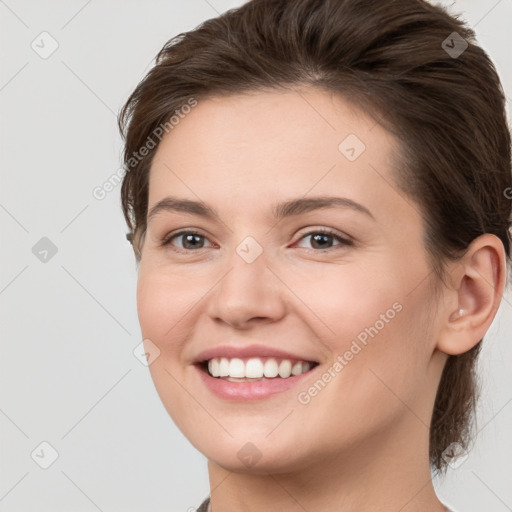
x=190 y=240
x=323 y=239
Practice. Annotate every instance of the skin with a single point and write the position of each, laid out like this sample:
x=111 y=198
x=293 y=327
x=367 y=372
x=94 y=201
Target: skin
x=361 y=444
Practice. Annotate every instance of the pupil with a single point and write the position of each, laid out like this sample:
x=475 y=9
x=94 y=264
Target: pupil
x=321 y=236
x=190 y=238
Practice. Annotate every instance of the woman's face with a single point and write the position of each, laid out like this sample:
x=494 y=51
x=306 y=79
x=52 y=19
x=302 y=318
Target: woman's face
x=355 y=300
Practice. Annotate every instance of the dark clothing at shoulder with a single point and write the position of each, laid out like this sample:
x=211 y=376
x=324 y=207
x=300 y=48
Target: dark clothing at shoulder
x=204 y=506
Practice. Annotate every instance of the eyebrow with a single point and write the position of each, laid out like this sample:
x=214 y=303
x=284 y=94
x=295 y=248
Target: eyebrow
x=280 y=210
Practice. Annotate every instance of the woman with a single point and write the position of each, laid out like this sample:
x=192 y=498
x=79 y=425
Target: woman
x=316 y=194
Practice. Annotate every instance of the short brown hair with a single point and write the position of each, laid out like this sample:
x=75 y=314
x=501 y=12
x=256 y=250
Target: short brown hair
x=409 y=64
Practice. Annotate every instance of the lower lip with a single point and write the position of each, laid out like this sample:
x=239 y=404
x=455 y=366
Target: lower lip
x=245 y=391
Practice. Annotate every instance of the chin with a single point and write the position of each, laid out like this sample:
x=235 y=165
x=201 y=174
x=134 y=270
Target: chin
x=244 y=453
x=250 y=461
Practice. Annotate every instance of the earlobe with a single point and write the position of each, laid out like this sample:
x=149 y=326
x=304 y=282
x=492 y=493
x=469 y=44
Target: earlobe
x=478 y=283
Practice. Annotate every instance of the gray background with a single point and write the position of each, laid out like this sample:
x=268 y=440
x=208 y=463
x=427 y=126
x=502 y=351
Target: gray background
x=69 y=325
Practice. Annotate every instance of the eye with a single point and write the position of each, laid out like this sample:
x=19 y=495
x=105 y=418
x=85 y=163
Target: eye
x=191 y=240
x=322 y=239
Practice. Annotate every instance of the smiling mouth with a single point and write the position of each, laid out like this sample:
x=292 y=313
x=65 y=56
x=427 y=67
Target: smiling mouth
x=255 y=369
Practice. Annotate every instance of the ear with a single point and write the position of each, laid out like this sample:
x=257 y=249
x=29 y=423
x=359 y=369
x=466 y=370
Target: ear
x=478 y=280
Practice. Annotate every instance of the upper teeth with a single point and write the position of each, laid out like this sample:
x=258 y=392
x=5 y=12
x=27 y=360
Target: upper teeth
x=255 y=367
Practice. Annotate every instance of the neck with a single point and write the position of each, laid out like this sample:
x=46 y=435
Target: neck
x=387 y=473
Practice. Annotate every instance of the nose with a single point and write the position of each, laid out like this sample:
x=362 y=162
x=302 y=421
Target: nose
x=248 y=293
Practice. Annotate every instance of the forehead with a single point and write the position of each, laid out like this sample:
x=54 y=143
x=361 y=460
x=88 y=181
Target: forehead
x=260 y=143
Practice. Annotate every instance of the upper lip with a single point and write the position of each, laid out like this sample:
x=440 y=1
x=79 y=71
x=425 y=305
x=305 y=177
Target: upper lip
x=231 y=351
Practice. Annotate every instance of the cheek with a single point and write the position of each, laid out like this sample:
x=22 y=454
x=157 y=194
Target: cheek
x=378 y=372
x=348 y=301
x=162 y=305
x=163 y=301
x=373 y=327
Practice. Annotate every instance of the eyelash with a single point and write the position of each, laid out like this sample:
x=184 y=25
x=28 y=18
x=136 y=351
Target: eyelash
x=166 y=241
